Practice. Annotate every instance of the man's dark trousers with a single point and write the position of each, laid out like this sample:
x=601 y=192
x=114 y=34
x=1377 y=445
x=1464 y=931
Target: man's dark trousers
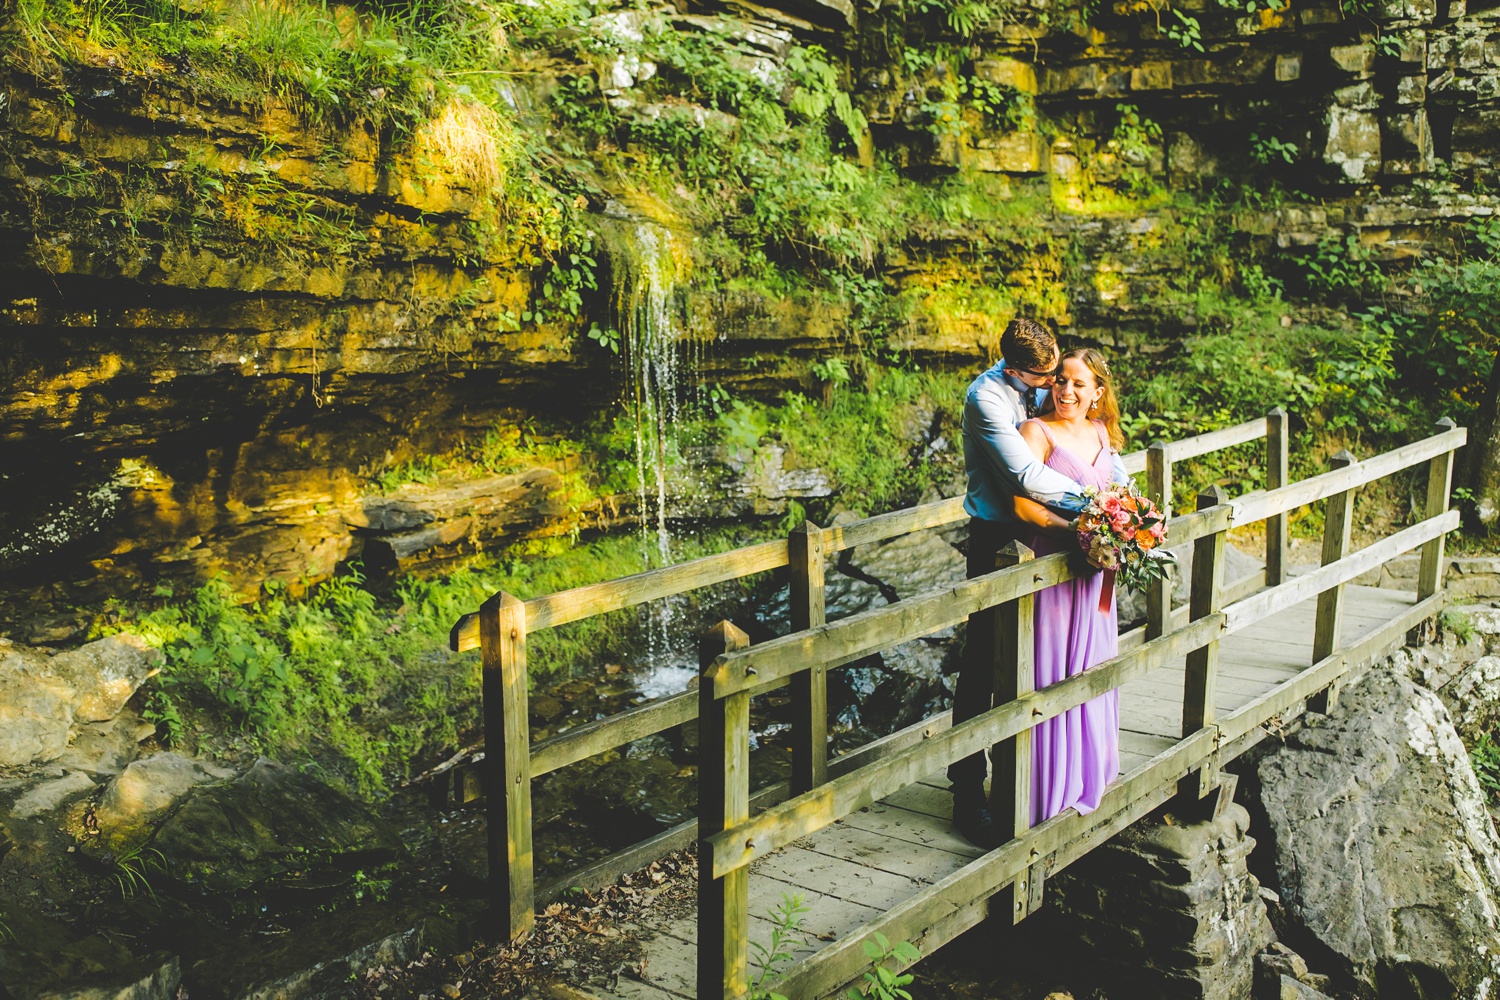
x=975 y=692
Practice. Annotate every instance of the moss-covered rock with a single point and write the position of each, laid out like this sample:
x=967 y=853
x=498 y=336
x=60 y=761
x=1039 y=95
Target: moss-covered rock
x=184 y=818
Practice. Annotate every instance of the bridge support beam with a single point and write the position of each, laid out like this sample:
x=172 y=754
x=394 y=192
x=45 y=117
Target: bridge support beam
x=1168 y=909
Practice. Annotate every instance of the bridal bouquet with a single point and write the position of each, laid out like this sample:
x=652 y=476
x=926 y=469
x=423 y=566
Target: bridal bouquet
x=1121 y=531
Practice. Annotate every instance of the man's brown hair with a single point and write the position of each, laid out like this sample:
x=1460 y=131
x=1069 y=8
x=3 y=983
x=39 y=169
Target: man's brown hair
x=1028 y=344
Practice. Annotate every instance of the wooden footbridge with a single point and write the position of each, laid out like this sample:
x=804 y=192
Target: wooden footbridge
x=865 y=838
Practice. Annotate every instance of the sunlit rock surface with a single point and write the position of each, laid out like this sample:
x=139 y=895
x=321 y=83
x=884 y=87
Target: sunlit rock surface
x=1385 y=858
x=42 y=696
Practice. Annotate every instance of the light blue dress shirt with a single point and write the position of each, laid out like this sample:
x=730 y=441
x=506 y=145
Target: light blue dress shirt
x=1000 y=463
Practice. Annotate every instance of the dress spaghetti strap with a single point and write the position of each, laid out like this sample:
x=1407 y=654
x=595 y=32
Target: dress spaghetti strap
x=1103 y=436
x=1043 y=425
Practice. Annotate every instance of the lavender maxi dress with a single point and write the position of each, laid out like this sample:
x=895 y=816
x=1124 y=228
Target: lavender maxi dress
x=1076 y=754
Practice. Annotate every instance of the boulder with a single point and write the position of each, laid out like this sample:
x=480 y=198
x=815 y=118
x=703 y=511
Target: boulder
x=874 y=575
x=104 y=674
x=36 y=708
x=42 y=696
x=907 y=565
x=1473 y=698
x=1294 y=989
x=1386 y=860
x=146 y=791
x=1483 y=619
x=42 y=958
x=46 y=796
x=270 y=820
x=160 y=983
x=432 y=522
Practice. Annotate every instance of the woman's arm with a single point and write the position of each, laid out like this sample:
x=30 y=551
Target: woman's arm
x=1026 y=509
x=1038 y=516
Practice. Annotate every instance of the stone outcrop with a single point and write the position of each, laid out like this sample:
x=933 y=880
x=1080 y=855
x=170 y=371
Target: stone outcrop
x=1168 y=909
x=188 y=400
x=426 y=524
x=1385 y=859
x=42 y=696
x=44 y=959
x=146 y=791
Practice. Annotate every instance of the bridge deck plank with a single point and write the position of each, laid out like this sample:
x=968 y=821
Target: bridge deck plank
x=874 y=858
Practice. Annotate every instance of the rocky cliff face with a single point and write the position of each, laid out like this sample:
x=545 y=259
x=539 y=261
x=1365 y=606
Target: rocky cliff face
x=220 y=322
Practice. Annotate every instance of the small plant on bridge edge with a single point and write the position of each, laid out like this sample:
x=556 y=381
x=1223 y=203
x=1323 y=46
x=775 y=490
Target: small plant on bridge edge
x=1457 y=624
x=883 y=982
x=772 y=957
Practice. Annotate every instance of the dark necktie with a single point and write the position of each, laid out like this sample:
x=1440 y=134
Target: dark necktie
x=1028 y=400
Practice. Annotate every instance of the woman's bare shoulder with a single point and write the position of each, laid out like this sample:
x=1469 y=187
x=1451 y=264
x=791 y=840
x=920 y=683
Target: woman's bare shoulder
x=1035 y=435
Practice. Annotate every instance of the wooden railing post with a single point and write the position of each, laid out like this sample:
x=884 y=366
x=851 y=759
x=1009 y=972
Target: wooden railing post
x=1159 y=591
x=1439 y=482
x=1200 y=680
x=1278 y=451
x=1338 y=519
x=1010 y=788
x=809 y=688
x=723 y=801
x=507 y=762
x=1430 y=572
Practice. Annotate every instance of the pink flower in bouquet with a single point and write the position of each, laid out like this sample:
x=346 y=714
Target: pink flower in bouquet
x=1122 y=531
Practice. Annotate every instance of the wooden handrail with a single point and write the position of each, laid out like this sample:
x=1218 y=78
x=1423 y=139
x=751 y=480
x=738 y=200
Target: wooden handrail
x=627 y=591
x=650 y=585
x=859 y=635
x=880 y=628
x=810 y=812
x=1260 y=505
x=1268 y=602
x=1228 y=437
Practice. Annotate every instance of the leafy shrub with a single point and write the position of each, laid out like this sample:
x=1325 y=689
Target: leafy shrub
x=1485 y=756
x=882 y=981
x=366 y=680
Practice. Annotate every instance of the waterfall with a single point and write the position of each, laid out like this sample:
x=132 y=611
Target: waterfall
x=644 y=304
x=648 y=265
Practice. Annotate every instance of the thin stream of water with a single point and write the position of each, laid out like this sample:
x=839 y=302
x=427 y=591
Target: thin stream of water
x=660 y=366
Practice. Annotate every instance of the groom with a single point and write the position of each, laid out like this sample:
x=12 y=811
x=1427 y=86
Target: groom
x=1000 y=465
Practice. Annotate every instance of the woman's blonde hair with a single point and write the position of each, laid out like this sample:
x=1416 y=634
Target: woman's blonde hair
x=1109 y=404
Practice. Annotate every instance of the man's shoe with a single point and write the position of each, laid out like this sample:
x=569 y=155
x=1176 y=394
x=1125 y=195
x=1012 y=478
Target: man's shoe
x=972 y=819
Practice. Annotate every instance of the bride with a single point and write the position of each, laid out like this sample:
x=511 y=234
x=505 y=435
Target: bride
x=1076 y=754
